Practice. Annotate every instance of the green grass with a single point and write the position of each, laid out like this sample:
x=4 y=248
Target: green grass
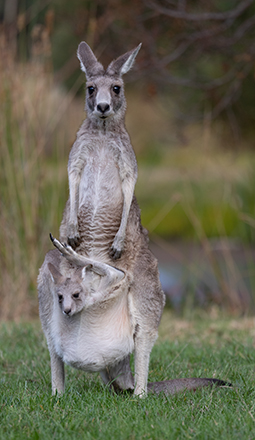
x=205 y=347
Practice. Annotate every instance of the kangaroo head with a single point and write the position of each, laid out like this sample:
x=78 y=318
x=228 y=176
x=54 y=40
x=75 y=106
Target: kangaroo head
x=105 y=88
x=85 y=287
x=70 y=292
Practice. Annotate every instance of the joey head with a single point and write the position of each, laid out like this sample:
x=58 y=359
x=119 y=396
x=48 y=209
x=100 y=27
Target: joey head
x=70 y=292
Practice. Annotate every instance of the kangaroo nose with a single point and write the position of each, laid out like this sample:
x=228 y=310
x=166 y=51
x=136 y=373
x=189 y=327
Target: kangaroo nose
x=67 y=311
x=103 y=107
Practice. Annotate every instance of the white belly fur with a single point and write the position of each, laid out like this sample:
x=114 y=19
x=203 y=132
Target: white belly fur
x=100 y=184
x=100 y=205
x=93 y=340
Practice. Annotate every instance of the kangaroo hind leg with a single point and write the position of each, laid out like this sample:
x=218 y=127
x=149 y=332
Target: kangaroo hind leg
x=119 y=376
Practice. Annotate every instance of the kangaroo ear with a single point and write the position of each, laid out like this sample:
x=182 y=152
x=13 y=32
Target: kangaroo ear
x=89 y=63
x=55 y=275
x=124 y=63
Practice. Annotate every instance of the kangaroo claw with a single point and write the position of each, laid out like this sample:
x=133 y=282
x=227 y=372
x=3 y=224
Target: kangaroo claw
x=73 y=242
x=115 y=253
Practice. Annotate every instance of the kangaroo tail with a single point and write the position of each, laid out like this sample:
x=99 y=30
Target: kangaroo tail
x=177 y=385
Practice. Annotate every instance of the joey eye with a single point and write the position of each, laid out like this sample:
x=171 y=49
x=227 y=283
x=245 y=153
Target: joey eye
x=60 y=298
x=91 y=89
x=116 y=89
x=76 y=295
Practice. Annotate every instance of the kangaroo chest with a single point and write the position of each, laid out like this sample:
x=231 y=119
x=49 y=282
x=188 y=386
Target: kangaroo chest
x=95 y=339
x=100 y=199
x=100 y=184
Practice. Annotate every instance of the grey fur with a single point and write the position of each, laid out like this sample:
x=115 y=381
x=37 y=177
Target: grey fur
x=102 y=221
x=120 y=306
x=73 y=309
x=102 y=167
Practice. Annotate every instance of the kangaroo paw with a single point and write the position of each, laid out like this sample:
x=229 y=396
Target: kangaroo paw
x=73 y=241
x=115 y=253
x=73 y=236
x=117 y=247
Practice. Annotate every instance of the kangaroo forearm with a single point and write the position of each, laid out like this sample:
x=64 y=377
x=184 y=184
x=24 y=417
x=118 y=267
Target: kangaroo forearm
x=128 y=192
x=74 y=181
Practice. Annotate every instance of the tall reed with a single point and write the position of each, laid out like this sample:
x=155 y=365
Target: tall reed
x=33 y=178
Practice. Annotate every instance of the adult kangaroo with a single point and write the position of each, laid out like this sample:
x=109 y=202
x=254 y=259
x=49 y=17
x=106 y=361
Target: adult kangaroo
x=116 y=310
x=102 y=223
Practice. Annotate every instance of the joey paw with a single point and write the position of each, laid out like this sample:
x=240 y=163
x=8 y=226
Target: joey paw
x=62 y=247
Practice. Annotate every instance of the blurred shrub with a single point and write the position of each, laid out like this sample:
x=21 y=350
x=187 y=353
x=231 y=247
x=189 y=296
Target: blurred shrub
x=33 y=180
x=199 y=54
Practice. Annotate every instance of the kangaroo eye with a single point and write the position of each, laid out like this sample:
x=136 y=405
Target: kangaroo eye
x=116 y=89
x=60 y=298
x=91 y=89
x=76 y=295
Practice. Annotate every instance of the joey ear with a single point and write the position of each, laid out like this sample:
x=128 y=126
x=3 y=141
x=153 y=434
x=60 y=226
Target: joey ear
x=89 y=63
x=55 y=275
x=109 y=276
x=83 y=273
x=112 y=277
x=124 y=63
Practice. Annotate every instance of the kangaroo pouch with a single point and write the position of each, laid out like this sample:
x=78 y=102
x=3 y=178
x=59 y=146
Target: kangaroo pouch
x=95 y=339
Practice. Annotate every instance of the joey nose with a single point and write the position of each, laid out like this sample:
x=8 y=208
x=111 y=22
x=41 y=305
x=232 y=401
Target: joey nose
x=103 y=107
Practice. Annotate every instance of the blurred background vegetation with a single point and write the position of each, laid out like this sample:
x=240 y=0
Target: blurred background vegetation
x=191 y=119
